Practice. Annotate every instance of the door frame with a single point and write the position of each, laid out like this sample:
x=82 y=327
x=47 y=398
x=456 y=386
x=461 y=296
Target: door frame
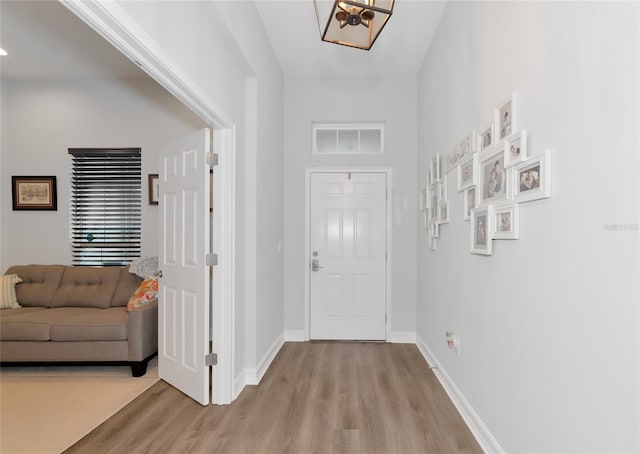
x=113 y=24
x=307 y=239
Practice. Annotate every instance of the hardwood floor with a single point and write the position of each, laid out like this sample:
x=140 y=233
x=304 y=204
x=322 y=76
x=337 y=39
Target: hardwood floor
x=318 y=397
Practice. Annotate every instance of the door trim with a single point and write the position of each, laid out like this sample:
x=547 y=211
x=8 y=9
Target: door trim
x=307 y=238
x=113 y=24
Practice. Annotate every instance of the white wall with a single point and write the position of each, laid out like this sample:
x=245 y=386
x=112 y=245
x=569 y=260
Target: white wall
x=392 y=100
x=549 y=324
x=42 y=118
x=222 y=48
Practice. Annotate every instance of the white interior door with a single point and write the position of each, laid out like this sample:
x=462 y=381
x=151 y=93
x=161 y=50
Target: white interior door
x=184 y=286
x=348 y=256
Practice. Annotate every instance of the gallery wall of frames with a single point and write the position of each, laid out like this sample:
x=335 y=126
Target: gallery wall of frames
x=496 y=172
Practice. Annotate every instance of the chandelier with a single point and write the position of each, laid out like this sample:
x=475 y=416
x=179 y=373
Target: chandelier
x=353 y=23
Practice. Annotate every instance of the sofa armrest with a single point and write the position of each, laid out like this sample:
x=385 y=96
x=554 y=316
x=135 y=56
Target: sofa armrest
x=143 y=331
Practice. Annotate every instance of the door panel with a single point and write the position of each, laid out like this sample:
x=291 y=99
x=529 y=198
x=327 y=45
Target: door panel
x=348 y=240
x=184 y=302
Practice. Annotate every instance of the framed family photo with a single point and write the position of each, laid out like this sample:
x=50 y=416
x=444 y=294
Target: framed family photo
x=443 y=212
x=486 y=137
x=515 y=148
x=492 y=184
x=532 y=178
x=506 y=117
x=481 y=228
x=467 y=174
x=34 y=193
x=423 y=200
x=507 y=221
x=470 y=202
x=433 y=201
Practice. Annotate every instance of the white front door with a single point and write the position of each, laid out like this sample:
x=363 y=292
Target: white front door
x=348 y=256
x=183 y=319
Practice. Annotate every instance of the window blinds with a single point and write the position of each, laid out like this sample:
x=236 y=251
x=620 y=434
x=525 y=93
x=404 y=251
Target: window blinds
x=105 y=220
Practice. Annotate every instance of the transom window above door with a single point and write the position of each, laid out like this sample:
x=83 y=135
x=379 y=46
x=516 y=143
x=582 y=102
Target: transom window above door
x=347 y=138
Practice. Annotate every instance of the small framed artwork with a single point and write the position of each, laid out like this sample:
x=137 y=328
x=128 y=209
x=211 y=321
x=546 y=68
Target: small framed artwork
x=443 y=212
x=493 y=177
x=486 y=138
x=432 y=243
x=434 y=229
x=467 y=174
x=33 y=193
x=506 y=117
x=425 y=220
x=507 y=221
x=442 y=190
x=154 y=189
x=433 y=201
x=470 y=201
x=423 y=199
x=435 y=169
x=481 y=228
x=515 y=148
x=532 y=178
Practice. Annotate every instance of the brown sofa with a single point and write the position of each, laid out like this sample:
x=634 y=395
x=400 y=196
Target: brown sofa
x=78 y=315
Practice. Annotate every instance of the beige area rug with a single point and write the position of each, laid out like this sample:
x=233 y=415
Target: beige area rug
x=45 y=410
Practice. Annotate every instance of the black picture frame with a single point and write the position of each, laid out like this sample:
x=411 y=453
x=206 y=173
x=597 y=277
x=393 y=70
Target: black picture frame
x=34 y=193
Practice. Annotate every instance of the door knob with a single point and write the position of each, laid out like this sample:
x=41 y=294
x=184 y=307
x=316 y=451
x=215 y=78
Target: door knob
x=315 y=265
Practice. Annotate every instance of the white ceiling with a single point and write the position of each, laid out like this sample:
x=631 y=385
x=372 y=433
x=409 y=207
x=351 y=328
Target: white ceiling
x=44 y=39
x=292 y=28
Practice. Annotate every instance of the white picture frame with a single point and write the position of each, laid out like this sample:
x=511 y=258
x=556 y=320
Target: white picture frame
x=468 y=174
x=442 y=189
x=462 y=152
x=433 y=201
x=470 y=201
x=531 y=179
x=481 y=230
x=487 y=136
x=434 y=229
x=432 y=243
x=443 y=212
x=434 y=169
x=506 y=224
x=423 y=200
x=425 y=220
x=515 y=148
x=506 y=117
x=493 y=182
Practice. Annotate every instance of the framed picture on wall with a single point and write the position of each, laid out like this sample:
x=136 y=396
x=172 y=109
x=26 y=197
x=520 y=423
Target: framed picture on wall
x=467 y=174
x=435 y=169
x=486 y=138
x=515 y=148
x=507 y=221
x=531 y=179
x=443 y=212
x=423 y=199
x=154 y=189
x=481 y=230
x=492 y=184
x=506 y=117
x=34 y=193
x=470 y=202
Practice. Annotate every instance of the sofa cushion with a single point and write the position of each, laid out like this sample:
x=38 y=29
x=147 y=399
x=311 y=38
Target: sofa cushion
x=34 y=324
x=92 y=325
x=86 y=287
x=127 y=285
x=39 y=283
x=8 y=298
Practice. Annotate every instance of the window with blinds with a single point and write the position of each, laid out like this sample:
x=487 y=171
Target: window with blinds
x=106 y=190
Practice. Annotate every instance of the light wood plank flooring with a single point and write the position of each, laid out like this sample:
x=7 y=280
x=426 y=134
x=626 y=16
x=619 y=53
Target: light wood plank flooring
x=317 y=397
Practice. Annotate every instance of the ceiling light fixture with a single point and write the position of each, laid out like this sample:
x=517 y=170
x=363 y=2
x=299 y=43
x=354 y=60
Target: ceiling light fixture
x=353 y=23
x=3 y=52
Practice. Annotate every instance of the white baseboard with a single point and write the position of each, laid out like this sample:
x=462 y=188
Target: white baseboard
x=403 y=337
x=252 y=376
x=294 y=336
x=486 y=441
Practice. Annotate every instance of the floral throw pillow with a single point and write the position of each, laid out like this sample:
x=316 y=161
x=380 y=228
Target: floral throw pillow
x=8 y=299
x=145 y=293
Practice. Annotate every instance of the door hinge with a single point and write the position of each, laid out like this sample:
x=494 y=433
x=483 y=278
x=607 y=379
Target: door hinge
x=212 y=159
x=212 y=259
x=211 y=359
